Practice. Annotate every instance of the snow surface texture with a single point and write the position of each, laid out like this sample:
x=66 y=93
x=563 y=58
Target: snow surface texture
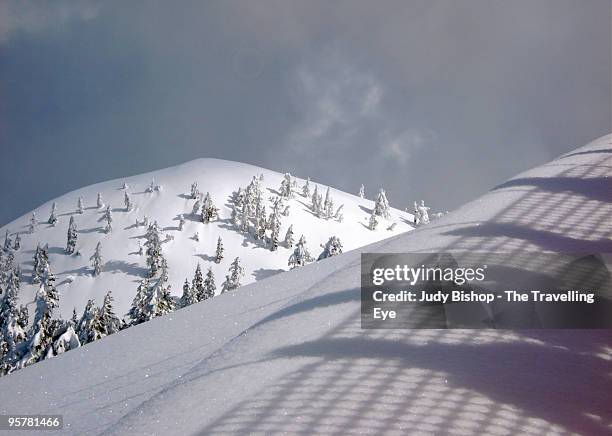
x=287 y=354
x=124 y=268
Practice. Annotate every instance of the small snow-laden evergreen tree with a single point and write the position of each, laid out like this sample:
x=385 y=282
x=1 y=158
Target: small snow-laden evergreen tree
x=40 y=336
x=373 y=221
x=261 y=223
x=7 y=241
x=158 y=300
x=219 y=251
x=328 y=205
x=41 y=261
x=422 y=213
x=197 y=283
x=301 y=256
x=339 y=216
x=239 y=197
x=317 y=203
x=196 y=207
x=124 y=186
x=99 y=201
x=12 y=333
x=209 y=211
x=285 y=188
x=80 y=209
x=127 y=201
x=289 y=237
x=96 y=260
x=17 y=243
x=189 y=296
x=110 y=321
x=108 y=217
x=381 y=205
x=209 y=286
x=91 y=327
x=154 y=249
x=306 y=188
x=362 y=191
x=232 y=280
x=72 y=236
x=53 y=216
x=136 y=312
x=151 y=188
x=235 y=218
x=68 y=340
x=332 y=247
x=245 y=217
x=33 y=222
x=181 y=222
x=195 y=192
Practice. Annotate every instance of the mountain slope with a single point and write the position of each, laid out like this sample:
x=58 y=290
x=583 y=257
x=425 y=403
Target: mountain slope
x=287 y=353
x=124 y=267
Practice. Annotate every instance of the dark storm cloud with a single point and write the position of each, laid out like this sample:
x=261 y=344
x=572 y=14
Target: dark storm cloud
x=431 y=99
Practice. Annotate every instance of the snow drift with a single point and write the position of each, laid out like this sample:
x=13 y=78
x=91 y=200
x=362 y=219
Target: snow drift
x=286 y=354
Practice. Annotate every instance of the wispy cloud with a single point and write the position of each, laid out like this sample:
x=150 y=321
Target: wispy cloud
x=341 y=107
x=28 y=16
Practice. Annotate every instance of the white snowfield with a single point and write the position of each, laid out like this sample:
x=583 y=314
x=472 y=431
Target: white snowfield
x=124 y=268
x=287 y=354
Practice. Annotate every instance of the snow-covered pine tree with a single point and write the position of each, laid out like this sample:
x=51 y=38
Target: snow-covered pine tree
x=99 y=201
x=7 y=241
x=209 y=211
x=80 y=209
x=17 y=243
x=108 y=217
x=158 y=300
x=328 y=205
x=317 y=203
x=189 y=296
x=110 y=322
x=235 y=218
x=339 y=216
x=96 y=260
x=124 y=186
x=41 y=261
x=195 y=192
x=332 y=247
x=219 y=250
x=91 y=327
x=261 y=223
x=127 y=201
x=181 y=222
x=232 y=280
x=209 y=286
x=197 y=283
x=301 y=256
x=40 y=336
x=285 y=188
x=289 y=237
x=306 y=188
x=381 y=205
x=196 y=207
x=53 y=217
x=68 y=340
x=245 y=217
x=239 y=197
x=136 y=312
x=154 y=249
x=373 y=221
x=151 y=188
x=72 y=236
x=423 y=213
x=33 y=222
x=362 y=191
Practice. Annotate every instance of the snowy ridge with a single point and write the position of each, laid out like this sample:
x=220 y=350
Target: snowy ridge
x=287 y=354
x=123 y=267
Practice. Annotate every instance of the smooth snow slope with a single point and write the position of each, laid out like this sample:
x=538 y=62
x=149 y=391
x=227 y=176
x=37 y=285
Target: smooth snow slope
x=124 y=268
x=287 y=354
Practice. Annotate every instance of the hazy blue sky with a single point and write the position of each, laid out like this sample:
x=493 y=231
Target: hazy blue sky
x=431 y=99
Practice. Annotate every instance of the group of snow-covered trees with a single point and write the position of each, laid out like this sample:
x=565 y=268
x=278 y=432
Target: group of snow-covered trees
x=22 y=343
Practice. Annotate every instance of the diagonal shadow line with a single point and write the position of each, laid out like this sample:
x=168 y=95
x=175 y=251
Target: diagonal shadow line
x=596 y=188
x=542 y=238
